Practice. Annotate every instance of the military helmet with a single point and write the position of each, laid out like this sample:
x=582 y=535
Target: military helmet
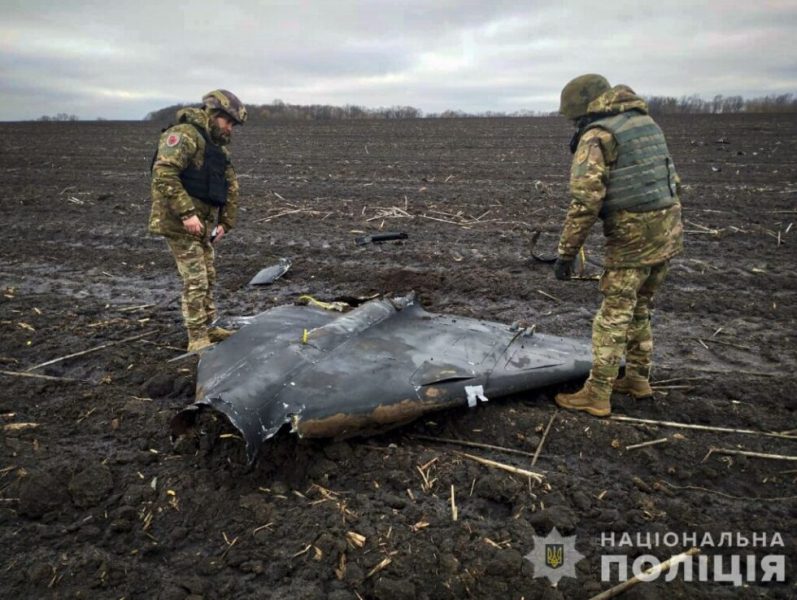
x=226 y=102
x=582 y=90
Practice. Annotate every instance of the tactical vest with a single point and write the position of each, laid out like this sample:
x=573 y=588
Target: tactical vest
x=209 y=182
x=643 y=178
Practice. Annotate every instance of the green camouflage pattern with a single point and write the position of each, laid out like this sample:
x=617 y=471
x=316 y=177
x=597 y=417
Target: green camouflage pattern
x=194 y=258
x=633 y=239
x=639 y=246
x=618 y=99
x=622 y=325
x=643 y=177
x=226 y=102
x=179 y=147
x=579 y=92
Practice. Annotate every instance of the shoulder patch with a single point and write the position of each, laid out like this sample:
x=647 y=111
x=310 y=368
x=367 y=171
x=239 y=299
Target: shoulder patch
x=582 y=154
x=173 y=140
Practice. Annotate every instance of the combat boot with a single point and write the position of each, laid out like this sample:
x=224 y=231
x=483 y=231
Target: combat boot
x=199 y=344
x=636 y=386
x=219 y=334
x=588 y=399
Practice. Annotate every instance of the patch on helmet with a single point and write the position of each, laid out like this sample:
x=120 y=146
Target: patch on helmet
x=173 y=140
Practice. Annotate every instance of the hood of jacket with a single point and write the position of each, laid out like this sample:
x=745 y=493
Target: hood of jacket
x=203 y=119
x=619 y=99
x=194 y=116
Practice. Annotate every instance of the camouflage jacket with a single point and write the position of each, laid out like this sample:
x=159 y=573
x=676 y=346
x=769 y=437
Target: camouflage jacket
x=179 y=147
x=633 y=239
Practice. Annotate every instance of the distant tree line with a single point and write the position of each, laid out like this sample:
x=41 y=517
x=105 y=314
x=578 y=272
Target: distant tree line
x=279 y=110
x=58 y=117
x=324 y=112
x=459 y=114
x=282 y=111
x=664 y=105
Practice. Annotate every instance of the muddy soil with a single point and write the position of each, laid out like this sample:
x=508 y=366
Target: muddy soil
x=97 y=502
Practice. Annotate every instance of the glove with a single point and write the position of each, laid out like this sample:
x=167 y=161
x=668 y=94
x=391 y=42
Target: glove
x=563 y=268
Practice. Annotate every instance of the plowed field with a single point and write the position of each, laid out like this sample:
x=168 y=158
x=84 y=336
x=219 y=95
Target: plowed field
x=97 y=502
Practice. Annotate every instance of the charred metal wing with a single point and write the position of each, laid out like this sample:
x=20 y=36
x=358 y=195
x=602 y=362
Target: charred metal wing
x=549 y=258
x=578 y=264
x=382 y=364
x=272 y=273
x=378 y=238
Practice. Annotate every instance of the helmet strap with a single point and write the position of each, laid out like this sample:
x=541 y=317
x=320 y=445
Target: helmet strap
x=581 y=125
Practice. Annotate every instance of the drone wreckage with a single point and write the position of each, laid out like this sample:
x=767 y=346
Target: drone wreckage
x=380 y=365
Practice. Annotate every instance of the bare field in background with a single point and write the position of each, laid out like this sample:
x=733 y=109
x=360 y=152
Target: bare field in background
x=95 y=502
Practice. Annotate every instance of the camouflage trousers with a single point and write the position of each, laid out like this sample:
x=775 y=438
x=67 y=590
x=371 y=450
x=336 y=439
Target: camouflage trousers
x=622 y=325
x=194 y=257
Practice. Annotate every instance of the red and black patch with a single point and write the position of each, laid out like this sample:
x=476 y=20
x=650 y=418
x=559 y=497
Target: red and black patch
x=173 y=140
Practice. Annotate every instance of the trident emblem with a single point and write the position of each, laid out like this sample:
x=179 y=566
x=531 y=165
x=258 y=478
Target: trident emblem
x=554 y=555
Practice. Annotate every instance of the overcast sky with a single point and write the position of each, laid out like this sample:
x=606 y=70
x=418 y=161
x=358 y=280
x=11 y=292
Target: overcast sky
x=121 y=60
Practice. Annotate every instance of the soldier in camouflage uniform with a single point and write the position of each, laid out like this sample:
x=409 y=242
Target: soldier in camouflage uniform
x=195 y=201
x=622 y=173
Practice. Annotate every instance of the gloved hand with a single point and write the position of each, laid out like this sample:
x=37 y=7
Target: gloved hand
x=563 y=268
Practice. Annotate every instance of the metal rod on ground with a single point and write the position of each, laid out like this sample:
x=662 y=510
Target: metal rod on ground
x=674 y=379
x=89 y=351
x=538 y=477
x=650 y=443
x=430 y=438
x=652 y=573
x=547 y=295
x=718 y=371
x=695 y=488
x=701 y=427
x=19 y=426
x=724 y=343
x=454 y=511
x=165 y=346
x=36 y=376
x=162 y=304
x=748 y=453
x=542 y=441
x=672 y=387
x=134 y=308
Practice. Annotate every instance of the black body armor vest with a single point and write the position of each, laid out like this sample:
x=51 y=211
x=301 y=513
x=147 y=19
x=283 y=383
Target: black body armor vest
x=209 y=182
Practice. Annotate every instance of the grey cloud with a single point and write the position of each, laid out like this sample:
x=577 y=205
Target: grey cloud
x=125 y=59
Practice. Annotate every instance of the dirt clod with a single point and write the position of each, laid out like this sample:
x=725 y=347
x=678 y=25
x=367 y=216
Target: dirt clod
x=91 y=485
